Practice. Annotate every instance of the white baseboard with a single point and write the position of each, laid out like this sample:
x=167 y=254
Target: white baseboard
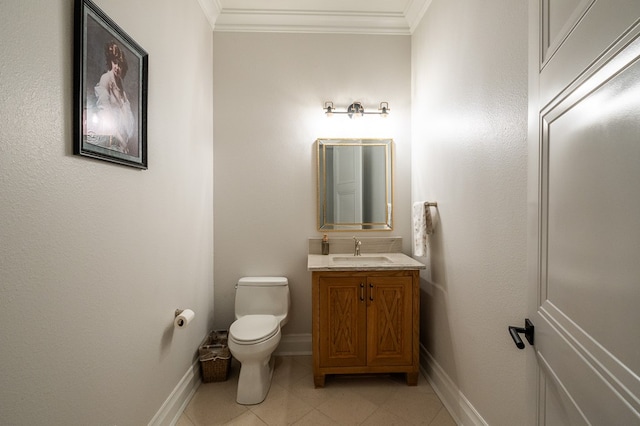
x=177 y=401
x=456 y=403
x=294 y=344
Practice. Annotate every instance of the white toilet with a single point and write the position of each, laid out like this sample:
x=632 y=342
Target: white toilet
x=262 y=307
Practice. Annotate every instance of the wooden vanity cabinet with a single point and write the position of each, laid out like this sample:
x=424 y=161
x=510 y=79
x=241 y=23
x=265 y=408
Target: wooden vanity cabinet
x=365 y=322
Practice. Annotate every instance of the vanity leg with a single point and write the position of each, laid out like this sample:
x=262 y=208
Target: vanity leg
x=318 y=381
x=412 y=379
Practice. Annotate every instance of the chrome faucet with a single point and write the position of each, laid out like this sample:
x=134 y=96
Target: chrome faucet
x=356 y=248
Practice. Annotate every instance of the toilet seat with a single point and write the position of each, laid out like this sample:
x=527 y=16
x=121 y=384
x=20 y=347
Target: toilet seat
x=252 y=329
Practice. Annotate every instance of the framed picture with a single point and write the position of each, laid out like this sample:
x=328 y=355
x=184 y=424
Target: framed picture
x=110 y=88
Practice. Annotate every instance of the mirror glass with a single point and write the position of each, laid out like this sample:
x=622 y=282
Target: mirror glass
x=355 y=188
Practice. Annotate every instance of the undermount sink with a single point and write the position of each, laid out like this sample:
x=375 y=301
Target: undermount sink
x=362 y=259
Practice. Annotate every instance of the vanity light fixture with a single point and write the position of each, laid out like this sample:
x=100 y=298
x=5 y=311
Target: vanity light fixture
x=356 y=110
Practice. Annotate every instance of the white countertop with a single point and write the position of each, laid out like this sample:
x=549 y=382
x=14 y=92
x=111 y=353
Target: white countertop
x=365 y=262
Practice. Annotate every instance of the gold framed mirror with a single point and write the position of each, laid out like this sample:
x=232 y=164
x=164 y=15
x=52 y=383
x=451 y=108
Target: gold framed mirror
x=355 y=184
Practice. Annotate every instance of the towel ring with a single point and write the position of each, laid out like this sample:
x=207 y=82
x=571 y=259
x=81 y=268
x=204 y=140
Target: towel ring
x=428 y=204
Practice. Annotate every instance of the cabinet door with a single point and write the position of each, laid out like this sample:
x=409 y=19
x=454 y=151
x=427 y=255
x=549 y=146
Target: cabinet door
x=343 y=321
x=390 y=320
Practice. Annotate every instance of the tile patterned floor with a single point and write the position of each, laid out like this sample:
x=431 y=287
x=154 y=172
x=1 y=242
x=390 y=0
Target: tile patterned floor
x=293 y=400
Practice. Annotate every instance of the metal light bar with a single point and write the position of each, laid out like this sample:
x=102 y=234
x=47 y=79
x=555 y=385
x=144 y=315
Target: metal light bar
x=356 y=109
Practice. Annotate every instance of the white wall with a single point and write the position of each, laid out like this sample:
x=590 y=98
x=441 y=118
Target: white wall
x=95 y=257
x=269 y=90
x=469 y=73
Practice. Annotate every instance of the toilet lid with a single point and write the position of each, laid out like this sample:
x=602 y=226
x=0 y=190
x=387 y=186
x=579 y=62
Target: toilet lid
x=253 y=328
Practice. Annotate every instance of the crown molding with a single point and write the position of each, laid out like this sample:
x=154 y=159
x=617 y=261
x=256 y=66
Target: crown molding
x=280 y=19
x=304 y=21
x=211 y=9
x=415 y=11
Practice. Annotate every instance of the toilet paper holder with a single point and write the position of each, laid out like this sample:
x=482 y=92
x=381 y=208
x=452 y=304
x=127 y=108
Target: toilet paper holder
x=182 y=317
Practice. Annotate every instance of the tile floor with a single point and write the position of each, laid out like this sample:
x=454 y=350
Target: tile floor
x=293 y=400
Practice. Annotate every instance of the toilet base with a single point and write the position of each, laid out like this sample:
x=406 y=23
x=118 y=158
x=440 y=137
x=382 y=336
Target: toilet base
x=254 y=381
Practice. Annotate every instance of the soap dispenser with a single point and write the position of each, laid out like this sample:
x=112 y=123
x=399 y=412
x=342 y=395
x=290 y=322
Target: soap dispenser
x=325 y=244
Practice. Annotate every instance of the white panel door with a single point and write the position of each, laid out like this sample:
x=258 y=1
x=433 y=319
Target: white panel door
x=348 y=184
x=584 y=193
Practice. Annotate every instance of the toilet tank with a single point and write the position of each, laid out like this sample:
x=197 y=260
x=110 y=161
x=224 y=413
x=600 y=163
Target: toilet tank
x=263 y=295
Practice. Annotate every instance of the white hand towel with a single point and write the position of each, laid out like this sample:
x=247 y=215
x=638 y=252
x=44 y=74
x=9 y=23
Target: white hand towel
x=419 y=230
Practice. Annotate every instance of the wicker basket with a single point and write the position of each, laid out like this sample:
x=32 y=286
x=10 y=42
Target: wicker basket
x=215 y=357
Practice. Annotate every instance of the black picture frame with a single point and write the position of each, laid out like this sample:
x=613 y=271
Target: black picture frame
x=110 y=90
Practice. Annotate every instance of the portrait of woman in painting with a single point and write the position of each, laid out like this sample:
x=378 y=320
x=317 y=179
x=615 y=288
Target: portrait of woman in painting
x=114 y=114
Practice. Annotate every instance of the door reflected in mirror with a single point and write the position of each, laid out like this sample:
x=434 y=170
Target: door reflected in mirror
x=355 y=187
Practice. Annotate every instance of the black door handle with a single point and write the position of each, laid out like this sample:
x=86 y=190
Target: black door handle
x=528 y=331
